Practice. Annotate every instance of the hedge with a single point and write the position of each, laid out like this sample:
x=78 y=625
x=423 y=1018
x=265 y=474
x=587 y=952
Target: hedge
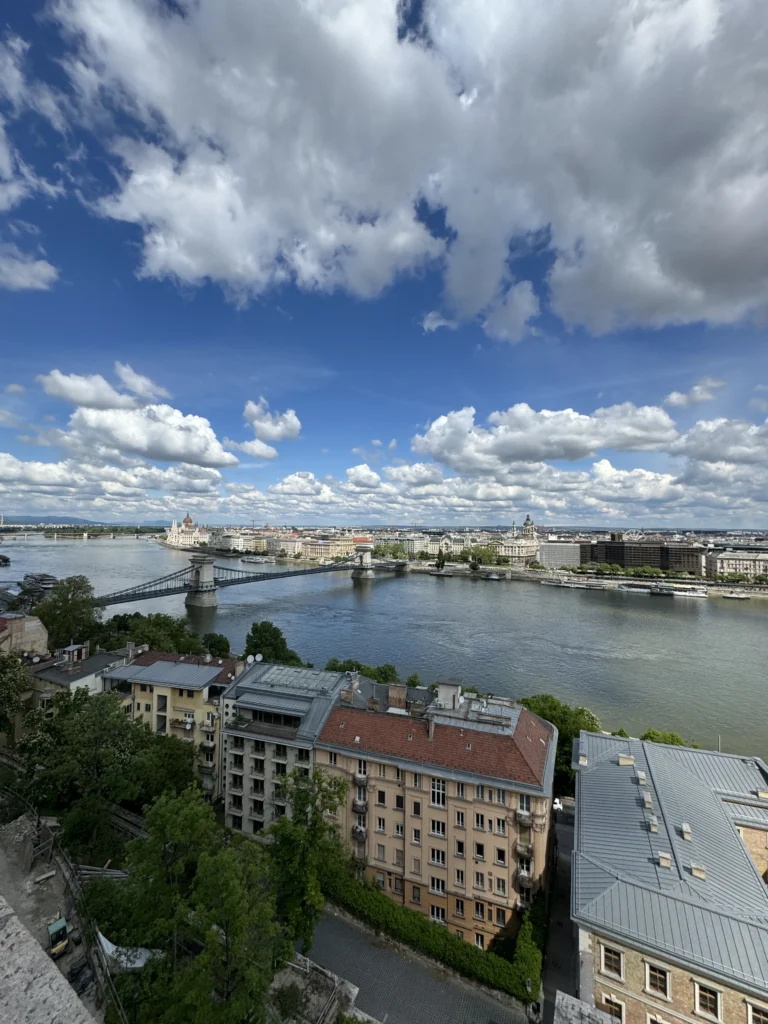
x=373 y=906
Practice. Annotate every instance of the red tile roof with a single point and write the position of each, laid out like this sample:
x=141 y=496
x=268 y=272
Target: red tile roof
x=520 y=757
x=228 y=665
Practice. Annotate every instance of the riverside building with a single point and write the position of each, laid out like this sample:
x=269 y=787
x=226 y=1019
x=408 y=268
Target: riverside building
x=668 y=882
x=449 y=803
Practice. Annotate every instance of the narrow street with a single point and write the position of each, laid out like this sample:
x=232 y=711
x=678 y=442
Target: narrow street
x=399 y=989
x=561 y=959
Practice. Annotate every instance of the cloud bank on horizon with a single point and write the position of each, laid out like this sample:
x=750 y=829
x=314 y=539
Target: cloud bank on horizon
x=568 y=170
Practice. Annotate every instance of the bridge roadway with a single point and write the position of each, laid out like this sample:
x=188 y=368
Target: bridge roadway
x=188 y=581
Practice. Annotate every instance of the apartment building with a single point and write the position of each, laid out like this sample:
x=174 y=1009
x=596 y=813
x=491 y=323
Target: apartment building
x=449 y=803
x=290 y=545
x=322 y=548
x=668 y=882
x=179 y=695
x=272 y=716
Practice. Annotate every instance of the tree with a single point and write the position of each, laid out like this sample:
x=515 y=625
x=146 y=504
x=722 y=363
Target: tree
x=13 y=682
x=657 y=736
x=414 y=680
x=69 y=613
x=161 y=632
x=305 y=846
x=440 y=560
x=386 y=673
x=266 y=639
x=569 y=722
x=217 y=644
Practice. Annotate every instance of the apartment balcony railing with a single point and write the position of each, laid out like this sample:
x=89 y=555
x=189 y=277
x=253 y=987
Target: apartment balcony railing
x=525 y=878
x=524 y=849
x=235 y=786
x=523 y=817
x=256 y=773
x=360 y=779
x=207 y=744
x=360 y=806
x=183 y=723
x=234 y=808
x=278 y=775
x=359 y=832
x=234 y=767
x=256 y=792
x=208 y=768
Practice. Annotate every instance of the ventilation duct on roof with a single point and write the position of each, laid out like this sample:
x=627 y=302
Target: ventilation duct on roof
x=686 y=830
x=653 y=823
x=665 y=859
x=626 y=759
x=647 y=799
x=698 y=871
x=640 y=777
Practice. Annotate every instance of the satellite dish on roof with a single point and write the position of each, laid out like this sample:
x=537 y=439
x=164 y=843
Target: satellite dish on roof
x=208 y=657
x=35 y=659
x=259 y=657
x=188 y=725
x=249 y=659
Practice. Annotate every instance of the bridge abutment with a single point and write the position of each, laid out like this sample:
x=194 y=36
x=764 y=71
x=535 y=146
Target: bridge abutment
x=202 y=590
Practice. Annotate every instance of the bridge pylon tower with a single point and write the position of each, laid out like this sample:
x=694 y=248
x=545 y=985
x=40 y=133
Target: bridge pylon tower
x=202 y=590
x=363 y=566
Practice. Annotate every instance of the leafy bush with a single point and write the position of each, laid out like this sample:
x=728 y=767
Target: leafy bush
x=374 y=907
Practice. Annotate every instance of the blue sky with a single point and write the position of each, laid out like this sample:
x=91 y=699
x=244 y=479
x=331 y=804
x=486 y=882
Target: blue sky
x=489 y=245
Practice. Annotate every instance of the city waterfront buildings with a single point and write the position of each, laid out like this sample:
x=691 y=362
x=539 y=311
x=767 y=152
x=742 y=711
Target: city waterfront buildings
x=449 y=800
x=186 y=535
x=668 y=557
x=748 y=563
x=669 y=893
x=272 y=717
x=521 y=547
x=554 y=554
x=179 y=695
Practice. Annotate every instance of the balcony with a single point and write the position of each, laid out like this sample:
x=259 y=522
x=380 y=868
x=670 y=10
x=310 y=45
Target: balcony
x=360 y=779
x=233 y=767
x=524 y=818
x=208 y=768
x=255 y=772
x=524 y=849
x=360 y=806
x=359 y=832
x=234 y=808
x=254 y=791
x=208 y=744
x=235 y=786
x=279 y=775
x=187 y=724
x=359 y=853
x=525 y=878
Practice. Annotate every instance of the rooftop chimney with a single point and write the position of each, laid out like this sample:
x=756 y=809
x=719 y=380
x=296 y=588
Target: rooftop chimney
x=686 y=829
x=647 y=799
x=653 y=823
x=431 y=728
x=396 y=694
x=665 y=859
x=698 y=871
x=640 y=777
x=625 y=759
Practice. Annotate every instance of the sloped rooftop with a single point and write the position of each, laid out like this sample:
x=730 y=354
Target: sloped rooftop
x=717 y=924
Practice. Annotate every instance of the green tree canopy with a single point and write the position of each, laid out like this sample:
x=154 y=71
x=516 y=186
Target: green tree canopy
x=304 y=848
x=161 y=632
x=266 y=639
x=569 y=722
x=217 y=644
x=386 y=673
x=68 y=612
x=13 y=682
x=659 y=736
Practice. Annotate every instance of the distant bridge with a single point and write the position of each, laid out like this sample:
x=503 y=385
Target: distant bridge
x=202 y=578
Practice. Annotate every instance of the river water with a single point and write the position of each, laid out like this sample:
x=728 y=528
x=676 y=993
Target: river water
x=699 y=667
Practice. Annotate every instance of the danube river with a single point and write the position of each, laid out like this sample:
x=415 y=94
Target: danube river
x=699 y=667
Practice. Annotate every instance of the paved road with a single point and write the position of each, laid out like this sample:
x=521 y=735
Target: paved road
x=398 y=989
x=560 y=964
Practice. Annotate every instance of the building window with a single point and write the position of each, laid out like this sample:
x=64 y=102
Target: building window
x=399 y=802
x=280 y=768
x=708 y=1001
x=525 y=865
x=437 y=828
x=501 y=886
x=360 y=821
x=417 y=865
x=459 y=847
x=501 y=855
x=459 y=819
x=399 y=830
x=416 y=780
x=479 y=792
x=613 y=1008
x=657 y=980
x=417 y=836
x=438 y=793
x=459 y=934
x=332 y=757
x=381 y=798
x=416 y=894
x=190 y=694
x=147 y=707
x=381 y=825
x=757 y=1014
x=501 y=797
x=381 y=853
x=501 y=917
x=479 y=910
x=459 y=908
x=142 y=687
x=480 y=940
x=417 y=808
x=480 y=821
x=380 y=879
x=501 y=827
x=612 y=962
x=281 y=752
x=382 y=771
x=180 y=693
x=237 y=822
x=437 y=857
x=524 y=802
x=460 y=790
x=161 y=723
x=398 y=775
x=437 y=913
x=479 y=880
x=460 y=877
x=362 y=767
x=479 y=851
x=437 y=885
x=398 y=858
x=259 y=747
x=162 y=703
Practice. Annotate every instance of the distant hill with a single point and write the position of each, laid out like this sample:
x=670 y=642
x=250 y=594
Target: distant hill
x=53 y=520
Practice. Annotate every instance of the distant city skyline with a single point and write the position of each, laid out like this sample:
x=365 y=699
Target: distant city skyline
x=428 y=274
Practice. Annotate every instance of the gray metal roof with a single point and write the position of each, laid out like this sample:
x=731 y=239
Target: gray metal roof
x=717 y=925
x=184 y=674
x=266 y=674
x=65 y=675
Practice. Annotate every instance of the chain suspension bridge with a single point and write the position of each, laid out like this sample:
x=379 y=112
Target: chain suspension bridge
x=202 y=578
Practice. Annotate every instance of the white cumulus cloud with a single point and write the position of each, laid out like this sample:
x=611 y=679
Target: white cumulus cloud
x=139 y=384
x=91 y=391
x=271 y=426
x=703 y=391
x=20 y=271
x=433 y=321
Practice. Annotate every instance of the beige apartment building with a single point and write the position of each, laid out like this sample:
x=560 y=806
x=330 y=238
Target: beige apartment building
x=449 y=804
x=321 y=548
x=178 y=695
x=748 y=563
x=668 y=883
